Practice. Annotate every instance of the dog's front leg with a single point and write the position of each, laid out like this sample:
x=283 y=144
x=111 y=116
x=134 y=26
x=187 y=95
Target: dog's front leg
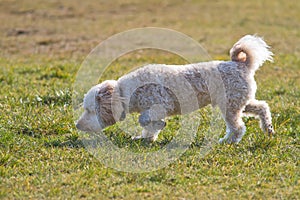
x=151 y=131
x=151 y=128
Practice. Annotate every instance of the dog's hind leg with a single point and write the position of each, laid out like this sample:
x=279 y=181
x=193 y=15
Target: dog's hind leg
x=262 y=110
x=235 y=128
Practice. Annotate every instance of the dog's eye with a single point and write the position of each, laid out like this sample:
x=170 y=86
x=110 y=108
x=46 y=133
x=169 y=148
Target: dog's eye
x=88 y=110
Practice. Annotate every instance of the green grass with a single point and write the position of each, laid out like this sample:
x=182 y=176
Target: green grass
x=41 y=153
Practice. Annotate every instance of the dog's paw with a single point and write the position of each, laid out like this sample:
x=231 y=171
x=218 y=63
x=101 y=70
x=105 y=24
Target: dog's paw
x=231 y=140
x=146 y=139
x=226 y=141
x=222 y=140
x=136 y=137
x=270 y=130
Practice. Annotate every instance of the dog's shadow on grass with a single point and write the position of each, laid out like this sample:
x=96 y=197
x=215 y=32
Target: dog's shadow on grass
x=124 y=142
x=76 y=144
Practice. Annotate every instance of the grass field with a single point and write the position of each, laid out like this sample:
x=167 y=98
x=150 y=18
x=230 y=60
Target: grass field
x=43 y=44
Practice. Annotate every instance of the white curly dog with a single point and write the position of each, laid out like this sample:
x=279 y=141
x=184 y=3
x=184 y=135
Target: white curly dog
x=157 y=91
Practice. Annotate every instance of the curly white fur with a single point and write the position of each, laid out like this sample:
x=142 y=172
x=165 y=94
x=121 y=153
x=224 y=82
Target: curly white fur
x=251 y=49
x=156 y=91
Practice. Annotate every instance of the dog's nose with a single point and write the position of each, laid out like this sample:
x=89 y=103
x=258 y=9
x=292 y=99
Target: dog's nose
x=78 y=126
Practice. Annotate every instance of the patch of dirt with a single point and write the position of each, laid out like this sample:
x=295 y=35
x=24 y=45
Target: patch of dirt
x=20 y=31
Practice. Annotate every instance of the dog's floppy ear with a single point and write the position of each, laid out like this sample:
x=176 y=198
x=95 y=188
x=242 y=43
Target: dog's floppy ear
x=107 y=103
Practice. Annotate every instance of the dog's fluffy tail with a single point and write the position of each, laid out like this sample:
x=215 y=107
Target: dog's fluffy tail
x=251 y=50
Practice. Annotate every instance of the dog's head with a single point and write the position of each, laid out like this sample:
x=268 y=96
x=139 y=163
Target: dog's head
x=97 y=104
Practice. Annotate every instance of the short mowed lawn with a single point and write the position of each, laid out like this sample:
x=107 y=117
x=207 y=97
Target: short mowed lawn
x=42 y=155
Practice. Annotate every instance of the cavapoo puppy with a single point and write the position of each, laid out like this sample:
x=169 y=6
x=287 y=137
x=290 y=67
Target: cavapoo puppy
x=157 y=91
